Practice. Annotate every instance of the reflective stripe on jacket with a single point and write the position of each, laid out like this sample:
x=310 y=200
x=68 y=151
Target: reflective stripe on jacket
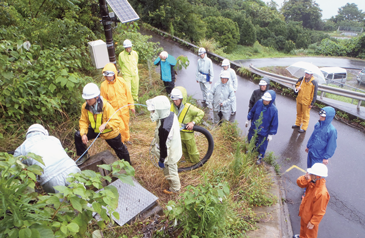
x=107 y=111
x=95 y=125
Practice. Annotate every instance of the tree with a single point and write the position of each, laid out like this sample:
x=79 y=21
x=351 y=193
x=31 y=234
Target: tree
x=350 y=12
x=223 y=30
x=306 y=11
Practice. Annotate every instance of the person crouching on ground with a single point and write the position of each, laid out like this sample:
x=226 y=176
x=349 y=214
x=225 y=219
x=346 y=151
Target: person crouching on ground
x=57 y=164
x=190 y=115
x=222 y=96
x=166 y=144
x=269 y=125
x=95 y=113
x=314 y=204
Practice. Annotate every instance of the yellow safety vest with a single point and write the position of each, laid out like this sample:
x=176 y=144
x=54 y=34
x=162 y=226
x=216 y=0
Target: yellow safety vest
x=95 y=125
x=183 y=114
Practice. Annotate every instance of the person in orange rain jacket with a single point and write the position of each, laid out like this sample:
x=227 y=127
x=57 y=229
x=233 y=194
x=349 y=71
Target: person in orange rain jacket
x=116 y=92
x=314 y=203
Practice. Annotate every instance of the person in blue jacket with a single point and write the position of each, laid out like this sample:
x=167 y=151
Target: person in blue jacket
x=167 y=63
x=322 y=144
x=269 y=125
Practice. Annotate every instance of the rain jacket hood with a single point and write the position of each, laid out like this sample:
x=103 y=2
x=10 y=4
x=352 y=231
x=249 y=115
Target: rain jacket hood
x=117 y=93
x=184 y=93
x=323 y=142
x=270 y=121
x=330 y=114
x=111 y=67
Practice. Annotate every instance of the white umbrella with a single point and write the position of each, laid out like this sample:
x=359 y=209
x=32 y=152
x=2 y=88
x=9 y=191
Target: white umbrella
x=297 y=69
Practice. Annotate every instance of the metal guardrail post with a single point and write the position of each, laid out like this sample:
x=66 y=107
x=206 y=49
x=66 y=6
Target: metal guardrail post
x=322 y=95
x=358 y=105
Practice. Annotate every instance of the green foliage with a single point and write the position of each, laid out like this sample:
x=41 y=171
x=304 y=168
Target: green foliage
x=182 y=61
x=305 y=11
x=224 y=31
x=26 y=213
x=202 y=210
x=209 y=45
x=271 y=160
x=231 y=131
x=35 y=83
x=289 y=46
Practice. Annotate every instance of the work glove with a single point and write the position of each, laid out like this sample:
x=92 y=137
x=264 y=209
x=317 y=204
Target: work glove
x=161 y=163
x=246 y=124
x=269 y=138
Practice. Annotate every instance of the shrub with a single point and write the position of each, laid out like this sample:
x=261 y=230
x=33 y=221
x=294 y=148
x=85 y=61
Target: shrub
x=27 y=213
x=202 y=210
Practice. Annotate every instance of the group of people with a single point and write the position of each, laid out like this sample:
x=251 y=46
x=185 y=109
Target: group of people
x=107 y=112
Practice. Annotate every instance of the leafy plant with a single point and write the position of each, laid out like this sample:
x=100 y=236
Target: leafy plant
x=202 y=210
x=182 y=62
x=27 y=213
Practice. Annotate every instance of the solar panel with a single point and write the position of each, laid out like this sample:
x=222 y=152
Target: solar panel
x=123 y=10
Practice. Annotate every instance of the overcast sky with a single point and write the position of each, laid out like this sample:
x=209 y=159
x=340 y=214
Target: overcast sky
x=330 y=7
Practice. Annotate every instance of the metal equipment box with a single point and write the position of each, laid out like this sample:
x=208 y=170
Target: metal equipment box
x=99 y=53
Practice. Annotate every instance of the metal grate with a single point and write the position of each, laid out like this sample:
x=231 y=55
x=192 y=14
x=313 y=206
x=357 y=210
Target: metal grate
x=123 y=10
x=132 y=200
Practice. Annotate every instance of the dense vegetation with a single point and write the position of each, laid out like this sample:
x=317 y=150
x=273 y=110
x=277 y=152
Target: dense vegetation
x=297 y=25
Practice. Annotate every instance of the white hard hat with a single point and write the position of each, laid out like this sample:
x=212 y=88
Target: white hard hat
x=127 y=43
x=158 y=103
x=262 y=83
x=225 y=62
x=201 y=51
x=37 y=127
x=318 y=169
x=308 y=71
x=267 y=96
x=176 y=94
x=91 y=90
x=225 y=74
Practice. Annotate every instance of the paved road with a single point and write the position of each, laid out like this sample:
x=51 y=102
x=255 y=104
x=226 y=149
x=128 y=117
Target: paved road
x=345 y=215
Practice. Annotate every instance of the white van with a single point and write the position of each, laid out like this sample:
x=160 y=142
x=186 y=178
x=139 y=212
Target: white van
x=334 y=75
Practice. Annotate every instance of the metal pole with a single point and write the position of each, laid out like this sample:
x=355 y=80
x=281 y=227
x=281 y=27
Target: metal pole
x=107 y=23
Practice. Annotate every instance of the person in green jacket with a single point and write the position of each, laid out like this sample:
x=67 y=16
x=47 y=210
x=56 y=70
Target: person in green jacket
x=190 y=115
x=128 y=62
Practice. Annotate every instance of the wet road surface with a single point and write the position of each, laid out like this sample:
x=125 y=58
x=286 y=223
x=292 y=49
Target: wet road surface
x=345 y=216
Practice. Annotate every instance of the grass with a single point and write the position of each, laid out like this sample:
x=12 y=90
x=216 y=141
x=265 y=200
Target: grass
x=252 y=52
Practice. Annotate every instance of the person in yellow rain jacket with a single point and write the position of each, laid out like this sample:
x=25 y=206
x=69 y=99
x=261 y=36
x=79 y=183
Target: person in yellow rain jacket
x=306 y=88
x=128 y=62
x=116 y=92
x=314 y=203
x=95 y=113
x=190 y=115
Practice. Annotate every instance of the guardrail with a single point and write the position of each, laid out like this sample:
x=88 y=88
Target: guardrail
x=323 y=88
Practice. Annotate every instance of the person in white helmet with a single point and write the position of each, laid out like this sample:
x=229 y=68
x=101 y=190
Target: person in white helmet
x=233 y=82
x=306 y=88
x=257 y=94
x=57 y=164
x=220 y=98
x=95 y=113
x=167 y=71
x=128 y=62
x=188 y=115
x=204 y=73
x=166 y=144
x=269 y=125
x=314 y=204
